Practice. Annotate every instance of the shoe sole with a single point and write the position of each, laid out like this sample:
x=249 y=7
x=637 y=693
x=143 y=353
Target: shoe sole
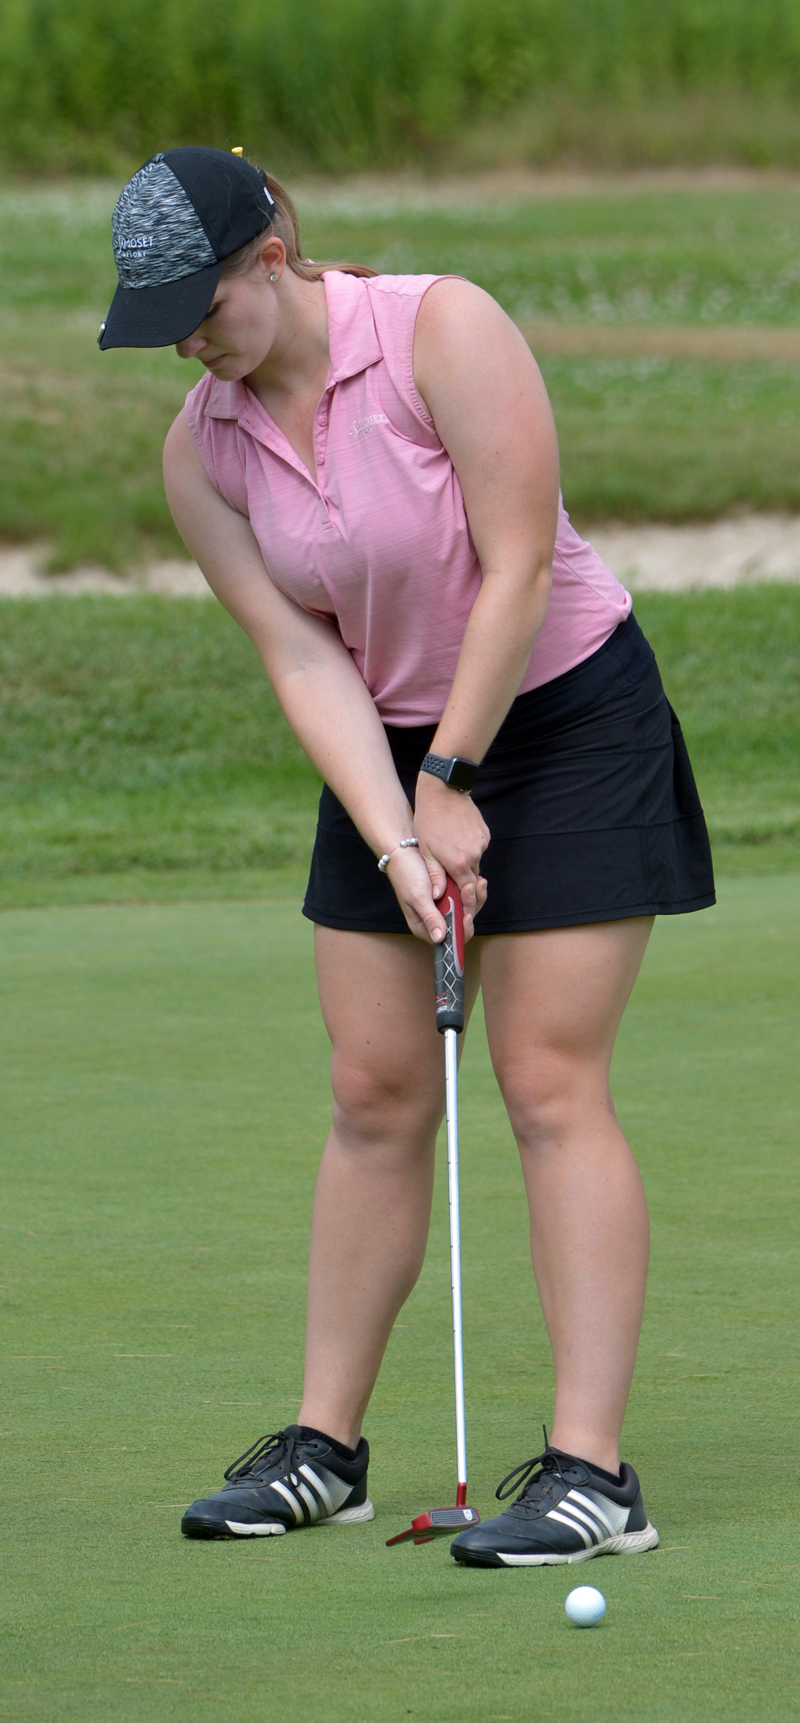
x=274 y=1528
x=625 y=1543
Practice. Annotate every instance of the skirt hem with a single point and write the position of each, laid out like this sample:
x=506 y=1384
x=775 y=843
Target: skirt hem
x=525 y=924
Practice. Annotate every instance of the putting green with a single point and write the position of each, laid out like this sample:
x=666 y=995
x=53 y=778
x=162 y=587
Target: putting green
x=164 y=1102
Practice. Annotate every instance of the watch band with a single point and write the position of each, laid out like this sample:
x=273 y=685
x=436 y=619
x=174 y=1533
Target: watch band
x=459 y=774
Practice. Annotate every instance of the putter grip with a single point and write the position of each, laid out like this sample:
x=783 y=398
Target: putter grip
x=448 y=961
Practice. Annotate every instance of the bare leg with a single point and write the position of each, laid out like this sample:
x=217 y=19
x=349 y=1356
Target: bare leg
x=553 y=1005
x=373 y=1197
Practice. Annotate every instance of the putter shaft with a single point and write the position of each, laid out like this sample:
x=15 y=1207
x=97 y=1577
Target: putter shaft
x=451 y=1086
x=449 y=973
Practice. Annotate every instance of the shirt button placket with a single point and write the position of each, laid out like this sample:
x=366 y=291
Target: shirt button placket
x=320 y=445
x=321 y=437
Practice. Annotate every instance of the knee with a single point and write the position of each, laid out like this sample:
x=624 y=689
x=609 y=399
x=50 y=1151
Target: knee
x=550 y=1094
x=378 y=1102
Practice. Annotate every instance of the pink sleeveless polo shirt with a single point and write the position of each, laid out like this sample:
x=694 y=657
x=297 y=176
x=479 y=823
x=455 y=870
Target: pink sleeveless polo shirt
x=381 y=542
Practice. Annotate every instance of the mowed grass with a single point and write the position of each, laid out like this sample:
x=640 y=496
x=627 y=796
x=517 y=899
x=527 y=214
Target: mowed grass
x=702 y=436
x=143 y=754
x=164 y=1102
x=143 y=735
x=81 y=433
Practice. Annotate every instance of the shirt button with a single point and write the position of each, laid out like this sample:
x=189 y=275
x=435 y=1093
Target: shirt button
x=320 y=460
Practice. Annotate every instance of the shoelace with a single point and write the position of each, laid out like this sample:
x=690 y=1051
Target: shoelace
x=276 y=1450
x=521 y=1478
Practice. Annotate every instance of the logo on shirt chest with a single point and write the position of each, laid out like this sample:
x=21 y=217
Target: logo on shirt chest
x=365 y=427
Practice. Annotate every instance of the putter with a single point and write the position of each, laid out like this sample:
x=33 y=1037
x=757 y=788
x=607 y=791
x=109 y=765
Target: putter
x=449 y=976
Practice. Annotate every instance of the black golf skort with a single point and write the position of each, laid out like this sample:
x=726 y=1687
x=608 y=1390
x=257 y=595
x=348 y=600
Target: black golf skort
x=589 y=796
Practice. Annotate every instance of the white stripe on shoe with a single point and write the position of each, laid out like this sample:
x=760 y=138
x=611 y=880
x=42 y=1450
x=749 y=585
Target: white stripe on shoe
x=310 y=1500
x=568 y=1507
x=574 y=1526
x=611 y=1514
x=322 y=1489
x=333 y=1490
x=290 y=1497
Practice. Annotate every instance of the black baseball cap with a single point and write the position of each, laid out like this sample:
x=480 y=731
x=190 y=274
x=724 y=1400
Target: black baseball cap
x=177 y=220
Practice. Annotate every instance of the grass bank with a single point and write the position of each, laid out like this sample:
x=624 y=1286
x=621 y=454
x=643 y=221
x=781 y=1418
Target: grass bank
x=648 y=438
x=144 y=755
x=164 y=1098
x=143 y=736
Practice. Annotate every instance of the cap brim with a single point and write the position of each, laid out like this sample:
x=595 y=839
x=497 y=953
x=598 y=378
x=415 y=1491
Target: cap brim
x=160 y=316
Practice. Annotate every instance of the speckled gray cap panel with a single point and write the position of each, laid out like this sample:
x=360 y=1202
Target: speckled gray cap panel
x=178 y=218
x=156 y=232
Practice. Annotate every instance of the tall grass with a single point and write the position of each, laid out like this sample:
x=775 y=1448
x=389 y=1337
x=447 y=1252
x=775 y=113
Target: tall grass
x=353 y=83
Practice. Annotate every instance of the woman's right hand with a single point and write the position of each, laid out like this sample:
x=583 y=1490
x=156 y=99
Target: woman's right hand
x=414 y=883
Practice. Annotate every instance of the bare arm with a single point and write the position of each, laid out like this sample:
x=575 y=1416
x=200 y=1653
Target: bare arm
x=483 y=389
x=319 y=688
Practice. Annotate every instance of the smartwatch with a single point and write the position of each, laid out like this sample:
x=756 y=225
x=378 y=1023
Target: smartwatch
x=459 y=774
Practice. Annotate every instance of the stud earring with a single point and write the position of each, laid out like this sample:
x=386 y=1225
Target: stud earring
x=273 y=278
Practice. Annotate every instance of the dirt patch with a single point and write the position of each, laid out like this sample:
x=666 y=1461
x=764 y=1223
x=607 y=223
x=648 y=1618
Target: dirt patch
x=735 y=552
x=724 y=342
x=381 y=193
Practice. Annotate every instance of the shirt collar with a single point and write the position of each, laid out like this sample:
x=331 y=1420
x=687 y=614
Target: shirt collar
x=225 y=400
x=352 y=334
x=353 y=341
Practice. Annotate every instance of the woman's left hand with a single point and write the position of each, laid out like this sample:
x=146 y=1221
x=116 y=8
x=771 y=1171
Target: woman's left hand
x=452 y=838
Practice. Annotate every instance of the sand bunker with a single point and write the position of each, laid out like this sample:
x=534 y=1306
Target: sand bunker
x=734 y=552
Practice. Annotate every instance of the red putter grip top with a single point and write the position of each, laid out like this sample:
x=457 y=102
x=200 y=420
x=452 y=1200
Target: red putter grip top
x=449 y=961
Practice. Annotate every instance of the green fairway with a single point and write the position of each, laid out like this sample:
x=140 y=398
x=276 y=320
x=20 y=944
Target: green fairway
x=81 y=433
x=164 y=1101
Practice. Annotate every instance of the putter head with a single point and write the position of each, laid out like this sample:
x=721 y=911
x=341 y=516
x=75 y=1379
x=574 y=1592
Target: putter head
x=438 y=1523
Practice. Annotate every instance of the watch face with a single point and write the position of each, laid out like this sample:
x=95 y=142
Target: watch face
x=462 y=774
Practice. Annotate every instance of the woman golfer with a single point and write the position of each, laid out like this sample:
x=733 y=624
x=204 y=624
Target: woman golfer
x=367 y=475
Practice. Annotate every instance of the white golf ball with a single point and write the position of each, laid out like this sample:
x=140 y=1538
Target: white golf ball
x=585 y=1606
